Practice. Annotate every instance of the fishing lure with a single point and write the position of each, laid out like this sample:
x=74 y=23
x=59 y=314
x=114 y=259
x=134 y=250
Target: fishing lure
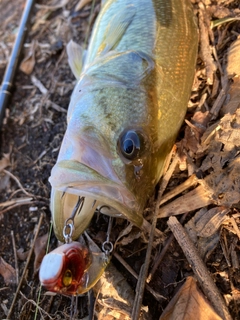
x=72 y=269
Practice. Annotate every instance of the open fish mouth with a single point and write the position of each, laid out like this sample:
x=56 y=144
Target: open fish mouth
x=71 y=180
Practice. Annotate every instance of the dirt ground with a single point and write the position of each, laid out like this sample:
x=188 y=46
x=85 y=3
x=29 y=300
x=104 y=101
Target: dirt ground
x=204 y=181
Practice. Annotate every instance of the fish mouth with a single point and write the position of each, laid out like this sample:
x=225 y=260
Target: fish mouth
x=71 y=180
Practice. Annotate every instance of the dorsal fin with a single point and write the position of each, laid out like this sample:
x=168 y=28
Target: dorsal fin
x=116 y=28
x=75 y=58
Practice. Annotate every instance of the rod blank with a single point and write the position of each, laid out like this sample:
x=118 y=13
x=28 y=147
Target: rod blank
x=7 y=84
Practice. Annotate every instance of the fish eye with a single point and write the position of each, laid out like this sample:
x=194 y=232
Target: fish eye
x=67 y=278
x=130 y=144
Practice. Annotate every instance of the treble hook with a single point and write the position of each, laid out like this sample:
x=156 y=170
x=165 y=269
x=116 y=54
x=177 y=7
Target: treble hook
x=69 y=223
x=107 y=245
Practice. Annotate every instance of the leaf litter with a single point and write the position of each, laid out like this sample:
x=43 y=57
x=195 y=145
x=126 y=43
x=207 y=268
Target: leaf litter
x=189 y=303
x=204 y=186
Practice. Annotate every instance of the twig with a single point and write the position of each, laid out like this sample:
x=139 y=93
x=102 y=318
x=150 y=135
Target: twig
x=143 y=273
x=40 y=289
x=15 y=256
x=156 y=295
x=167 y=177
x=204 y=44
x=219 y=101
x=18 y=183
x=39 y=85
x=163 y=252
x=25 y=268
x=206 y=282
x=17 y=204
x=223 y=243
x=34 y=303
x=15 y=201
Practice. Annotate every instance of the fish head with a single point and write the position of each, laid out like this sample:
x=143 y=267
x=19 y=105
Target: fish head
x=109 y=154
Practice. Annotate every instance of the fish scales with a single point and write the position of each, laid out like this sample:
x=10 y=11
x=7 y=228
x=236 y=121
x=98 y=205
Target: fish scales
x=126 y=109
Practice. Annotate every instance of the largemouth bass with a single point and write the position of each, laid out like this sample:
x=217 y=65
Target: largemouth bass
x=126 y=109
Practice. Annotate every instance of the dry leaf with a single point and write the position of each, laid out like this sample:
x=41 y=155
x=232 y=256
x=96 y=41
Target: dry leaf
x=4 y=181
x=233 y=65
x=4 y=178
x=22 y=255
x=233 y=69
x=222 y=186
x=135 y=234
x=28 y=62
x=195 y=130
x=189 y=304
x=5 y=161
x=40 y=251
x=124 y=232
x=8 y=272
x=115 y=297
x=233 y=101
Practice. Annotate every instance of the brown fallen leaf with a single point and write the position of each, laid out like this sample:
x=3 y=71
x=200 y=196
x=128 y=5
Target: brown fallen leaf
x=8 y=272
x=128 y=235
x=233 y=65
x=40 y=251
x=22 y=255
x=115 y=297
x=5 y=161
x=28 y=62
x=189 y=304
x=4 y=178
x=194 y=131
x=233 y=102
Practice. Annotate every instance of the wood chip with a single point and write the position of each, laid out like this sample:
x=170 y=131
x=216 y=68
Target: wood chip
x=81 y=4
x=39 y=85
x=195 y=199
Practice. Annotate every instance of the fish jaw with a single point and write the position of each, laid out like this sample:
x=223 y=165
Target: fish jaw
x=71 y=180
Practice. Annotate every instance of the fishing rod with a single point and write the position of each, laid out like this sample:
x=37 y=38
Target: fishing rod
x=7 y=83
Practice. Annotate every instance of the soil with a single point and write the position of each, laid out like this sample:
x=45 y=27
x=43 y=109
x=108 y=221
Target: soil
x=31 y=136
